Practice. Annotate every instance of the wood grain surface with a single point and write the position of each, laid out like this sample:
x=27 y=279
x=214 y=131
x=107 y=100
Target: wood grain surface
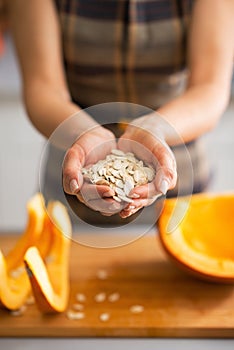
x=175 y=304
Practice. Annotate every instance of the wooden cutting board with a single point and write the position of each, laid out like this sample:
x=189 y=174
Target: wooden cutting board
x=175 y=304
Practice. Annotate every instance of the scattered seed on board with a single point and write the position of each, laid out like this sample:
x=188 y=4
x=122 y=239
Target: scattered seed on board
x=19 y=312
x=80 y=297
x=74 y=315
x=100 y=297
x=30 y=300
x=136 y=309
x=78 y=307
x=102 y=274
x=104 y=317
x=113 y=297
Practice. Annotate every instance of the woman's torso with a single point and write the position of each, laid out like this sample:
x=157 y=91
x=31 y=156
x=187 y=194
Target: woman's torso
x=125 y=50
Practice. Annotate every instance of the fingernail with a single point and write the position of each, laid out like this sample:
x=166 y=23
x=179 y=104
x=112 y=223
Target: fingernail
x=163 y=187
x=108 y=194
x=74 y=186
x=134 y=195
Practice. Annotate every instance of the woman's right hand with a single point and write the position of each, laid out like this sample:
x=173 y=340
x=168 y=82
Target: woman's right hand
x=91 y=147
x=145 y=137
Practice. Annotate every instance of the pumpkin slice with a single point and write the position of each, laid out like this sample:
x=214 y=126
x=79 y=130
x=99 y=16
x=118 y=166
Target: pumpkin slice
x=202 y=242
x=15 y=288
x=50 y=284
x=36 y=215
x=45 y=240
x=14 y=284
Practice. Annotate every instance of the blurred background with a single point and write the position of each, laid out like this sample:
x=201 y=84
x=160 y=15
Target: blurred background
x=21 y=146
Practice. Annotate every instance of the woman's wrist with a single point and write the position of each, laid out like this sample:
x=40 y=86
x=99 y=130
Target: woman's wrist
x=156 y=125
x=72 y=128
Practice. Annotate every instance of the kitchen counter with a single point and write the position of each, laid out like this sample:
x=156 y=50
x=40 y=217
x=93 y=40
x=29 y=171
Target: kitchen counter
x=188 y=307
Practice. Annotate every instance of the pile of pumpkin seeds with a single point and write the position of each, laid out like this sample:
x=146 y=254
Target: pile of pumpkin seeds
x=120 y=171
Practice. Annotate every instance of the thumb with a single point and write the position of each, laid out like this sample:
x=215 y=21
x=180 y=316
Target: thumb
x=72 y=165
x=166 y=173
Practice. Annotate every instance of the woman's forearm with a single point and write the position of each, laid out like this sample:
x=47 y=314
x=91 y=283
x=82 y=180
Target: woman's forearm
x=36 y=31
x=210 y=63
x=195 y=112
x=48 y=108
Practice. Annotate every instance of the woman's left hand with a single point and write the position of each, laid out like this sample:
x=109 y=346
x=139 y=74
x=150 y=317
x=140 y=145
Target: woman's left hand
x=145 y=138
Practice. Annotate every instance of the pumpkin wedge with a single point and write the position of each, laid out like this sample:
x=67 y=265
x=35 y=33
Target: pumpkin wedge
x=36 y=215
x=15 y=288
x=50 y=283
x=14 y=283
x=203 y=242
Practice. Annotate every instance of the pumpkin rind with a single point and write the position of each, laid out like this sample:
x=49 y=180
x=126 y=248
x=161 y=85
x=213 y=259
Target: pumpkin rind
x=202 y=243
x=14 y=284
x=51 y=293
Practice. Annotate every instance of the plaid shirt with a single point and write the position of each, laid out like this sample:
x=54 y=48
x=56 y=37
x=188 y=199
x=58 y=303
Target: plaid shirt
x=125 y=50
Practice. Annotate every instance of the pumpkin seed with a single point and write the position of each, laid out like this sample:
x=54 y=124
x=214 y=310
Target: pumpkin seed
x=113 y=297
x=129 y=185
x=117 y=165
x=19 y=312
x=78 y=307
x=120 y=171
x=117 y=199
x=149 y=172
x=126 y=199
x=119 y=191
x=30 y=300
x=100 y=297
x=80 y=297
x=74 y=315
x=119 y=183
x=102 y=182
x=117 y=152
x=102 y=274
x=112 y=179
x=136 y=309
x=104 y=317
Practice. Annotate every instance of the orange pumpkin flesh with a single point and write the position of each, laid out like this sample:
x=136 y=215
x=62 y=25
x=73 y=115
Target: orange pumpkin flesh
x=36 y=216
x=50 y=283
x=14 y=283
x=203 y=242
x=13 y=291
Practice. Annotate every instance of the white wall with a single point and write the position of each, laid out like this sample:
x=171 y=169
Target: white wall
x=20 y=149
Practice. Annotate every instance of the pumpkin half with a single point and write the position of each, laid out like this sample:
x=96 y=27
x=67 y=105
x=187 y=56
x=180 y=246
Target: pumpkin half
x=50 y=281
x=202 y=240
